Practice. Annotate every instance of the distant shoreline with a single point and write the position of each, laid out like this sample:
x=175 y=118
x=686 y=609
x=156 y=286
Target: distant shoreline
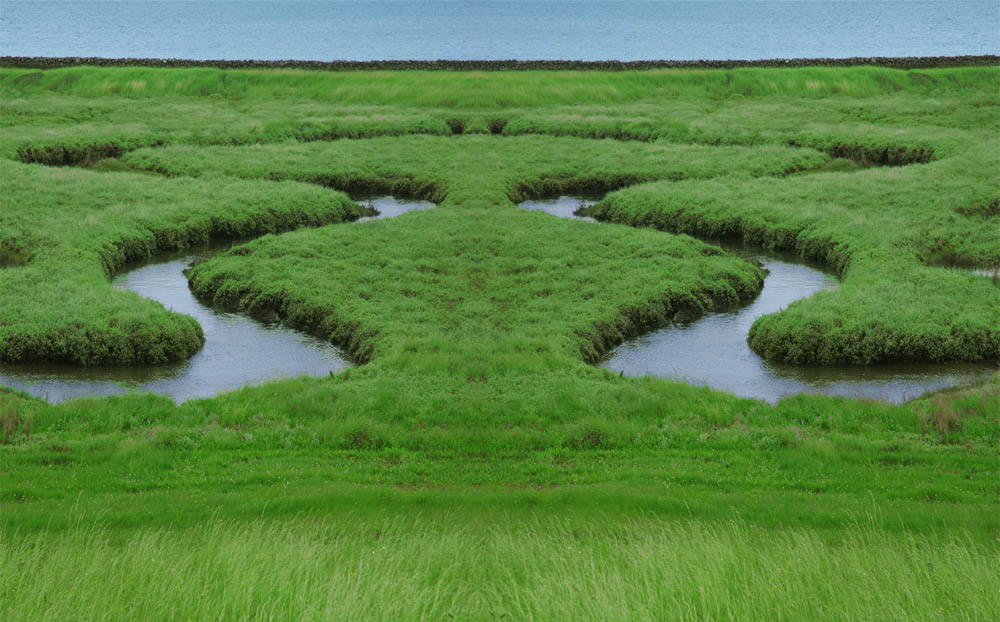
x=899 y=62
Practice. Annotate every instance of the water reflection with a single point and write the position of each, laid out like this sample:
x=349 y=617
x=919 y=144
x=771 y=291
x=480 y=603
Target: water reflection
x=390 y=207
x=238 y=350
x=713 y=351
x=563 y=207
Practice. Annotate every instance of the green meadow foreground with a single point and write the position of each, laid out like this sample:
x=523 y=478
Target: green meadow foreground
x=477 y=464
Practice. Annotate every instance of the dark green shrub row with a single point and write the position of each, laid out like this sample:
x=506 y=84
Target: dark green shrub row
x=523 y=167
x=104 y=222
x=335 y=130
x=547 y=187
x=84 y=153
x=901 y=62
x=189 y=235
x=65 y=155
x=228 y=294
x=174 y=338
x=831 y=343
x=633 y=321
x=874 y=152
x=80 y=153
x=358 y=185
x=729 y=227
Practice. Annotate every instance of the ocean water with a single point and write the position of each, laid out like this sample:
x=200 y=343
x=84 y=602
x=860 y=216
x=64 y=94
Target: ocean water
x=489 y=30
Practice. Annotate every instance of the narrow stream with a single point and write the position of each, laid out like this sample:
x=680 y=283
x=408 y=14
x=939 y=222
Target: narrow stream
x=390 y=207
x=238 y=350
x=563 y=207
x=712 y=351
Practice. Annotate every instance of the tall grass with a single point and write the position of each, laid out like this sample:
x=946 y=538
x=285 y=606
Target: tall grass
x=442 y=567
x=124 y=217
x=480 y=318
x=872 y=226
x=495 y=90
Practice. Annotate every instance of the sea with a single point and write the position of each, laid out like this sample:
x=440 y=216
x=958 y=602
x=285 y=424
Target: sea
x=495 y=30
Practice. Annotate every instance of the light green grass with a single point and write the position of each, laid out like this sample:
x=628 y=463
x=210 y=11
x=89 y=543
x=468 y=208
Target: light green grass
x=477 y=438
x=495 y=89
x=93 y=225
x=431 y=566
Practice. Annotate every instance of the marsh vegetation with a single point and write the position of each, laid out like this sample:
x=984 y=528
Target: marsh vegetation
x=478 y=329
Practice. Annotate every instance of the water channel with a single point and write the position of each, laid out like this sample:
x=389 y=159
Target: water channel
x=238 y=350
x=712 y=351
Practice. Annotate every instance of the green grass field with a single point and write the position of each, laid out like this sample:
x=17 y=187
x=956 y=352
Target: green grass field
x=477 y=464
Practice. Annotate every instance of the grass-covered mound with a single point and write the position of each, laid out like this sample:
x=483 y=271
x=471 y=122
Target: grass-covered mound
x=417 y=287
x=476 y=417
x=878 y=228
x=882 y=224
x=882 y=229
x=77 y=228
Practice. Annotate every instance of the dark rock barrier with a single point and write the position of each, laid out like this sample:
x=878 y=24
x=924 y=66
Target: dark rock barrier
x=902 y=62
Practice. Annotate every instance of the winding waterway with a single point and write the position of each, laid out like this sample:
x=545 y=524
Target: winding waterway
x=390 y=207
x=563 y=207
x=712 y=351
x=238 y=350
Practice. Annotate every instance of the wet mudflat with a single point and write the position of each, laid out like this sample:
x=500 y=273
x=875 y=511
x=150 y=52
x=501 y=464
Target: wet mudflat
x=238 y=351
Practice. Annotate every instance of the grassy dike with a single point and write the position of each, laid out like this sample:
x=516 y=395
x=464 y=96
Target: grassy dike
x=476 y=465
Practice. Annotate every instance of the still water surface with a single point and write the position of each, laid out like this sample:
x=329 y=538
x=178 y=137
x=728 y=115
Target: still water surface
x=238 y=350
x=712 y=350
x=498 y=29
x=390 y=207
x=563 y=207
